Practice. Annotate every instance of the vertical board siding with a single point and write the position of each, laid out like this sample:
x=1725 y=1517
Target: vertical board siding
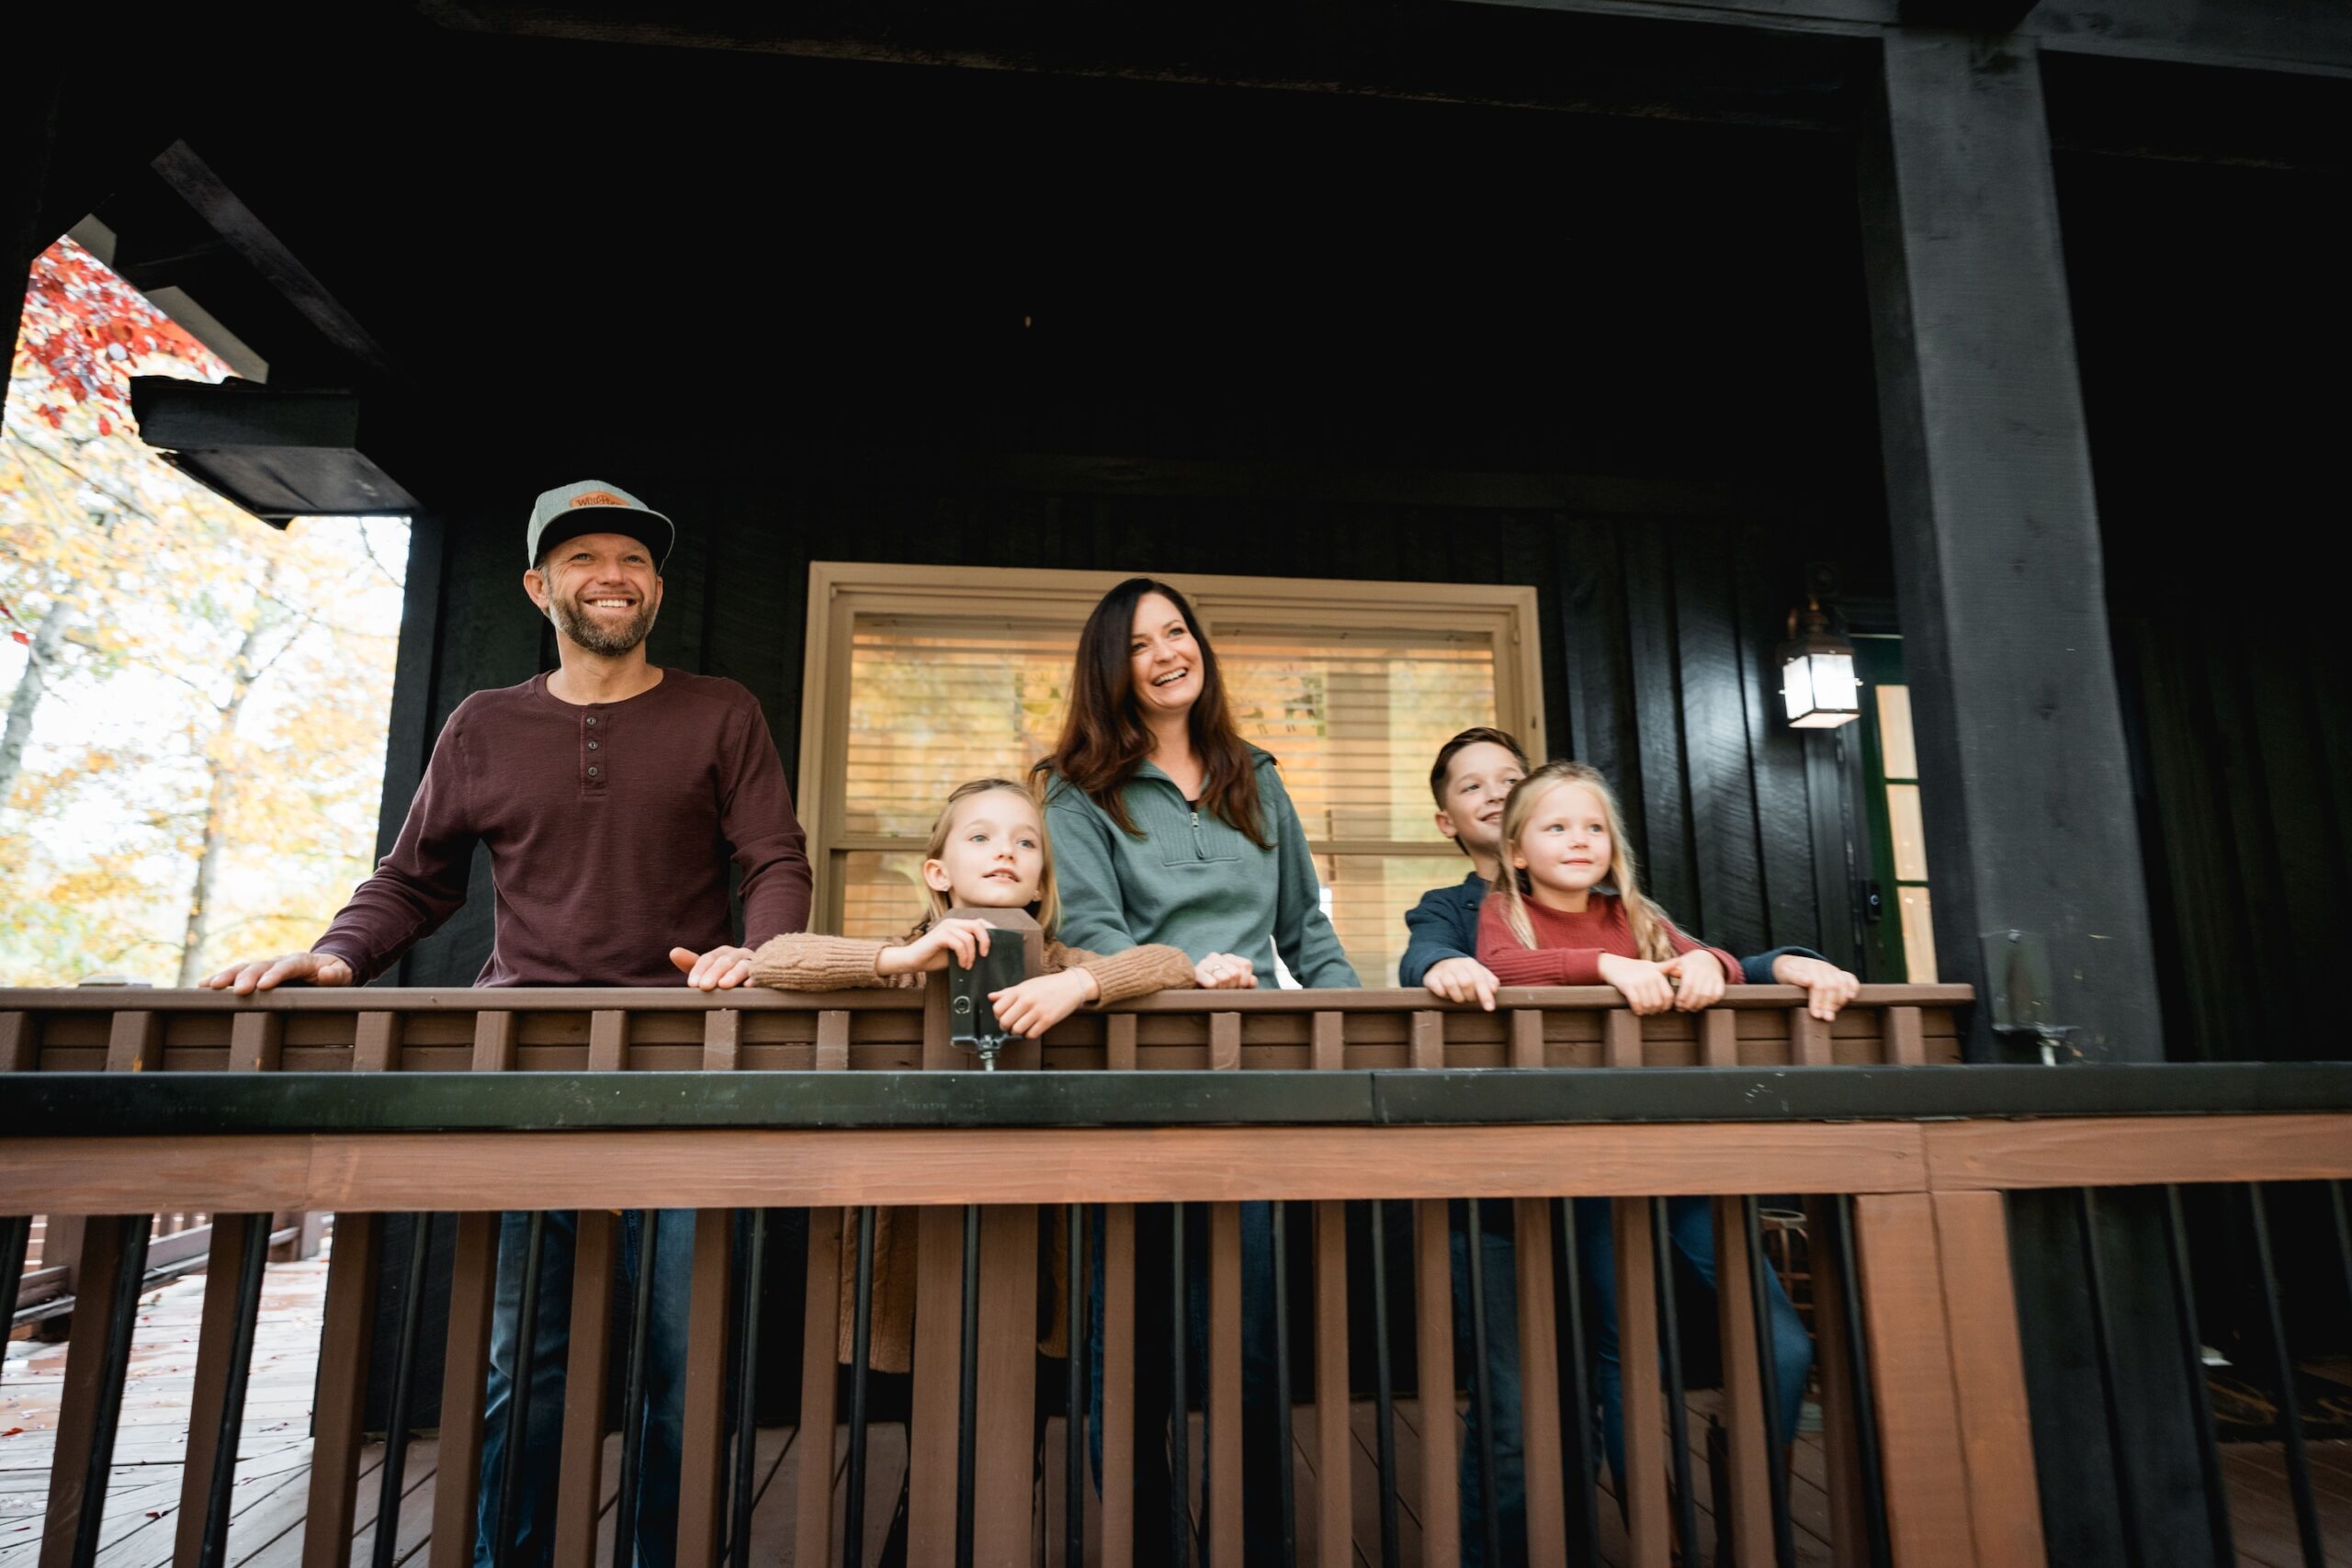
x=1653 y=666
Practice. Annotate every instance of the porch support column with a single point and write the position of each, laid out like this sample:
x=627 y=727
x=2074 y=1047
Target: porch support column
x=2026 y=784
x=28 y=116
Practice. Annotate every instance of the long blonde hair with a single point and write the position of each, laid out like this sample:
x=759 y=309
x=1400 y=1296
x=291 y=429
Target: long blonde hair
x=1047 y=907
x=1646 y=921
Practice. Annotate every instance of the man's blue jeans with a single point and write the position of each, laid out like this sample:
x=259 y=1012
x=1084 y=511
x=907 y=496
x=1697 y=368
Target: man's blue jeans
x=1690 y=1232
x=665 y=1354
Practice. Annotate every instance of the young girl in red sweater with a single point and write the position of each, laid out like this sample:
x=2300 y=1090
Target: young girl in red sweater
x=1568 y=910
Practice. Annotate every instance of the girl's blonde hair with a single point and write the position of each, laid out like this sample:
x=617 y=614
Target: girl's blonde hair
x=1647 y=922
x=1046 y=908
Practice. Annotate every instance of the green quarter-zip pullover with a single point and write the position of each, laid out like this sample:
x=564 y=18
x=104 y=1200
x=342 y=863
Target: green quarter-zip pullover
x=1191 y=880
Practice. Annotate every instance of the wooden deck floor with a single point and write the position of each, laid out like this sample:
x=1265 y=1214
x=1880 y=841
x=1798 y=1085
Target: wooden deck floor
x=273 y=1472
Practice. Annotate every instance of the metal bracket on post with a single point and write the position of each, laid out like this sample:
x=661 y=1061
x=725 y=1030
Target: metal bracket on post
x=2017 y=971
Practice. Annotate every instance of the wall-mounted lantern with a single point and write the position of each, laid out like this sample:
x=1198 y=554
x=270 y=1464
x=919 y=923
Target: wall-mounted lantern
x=1818 y=673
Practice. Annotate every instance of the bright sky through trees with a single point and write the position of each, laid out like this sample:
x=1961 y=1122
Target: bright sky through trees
x=192 y=703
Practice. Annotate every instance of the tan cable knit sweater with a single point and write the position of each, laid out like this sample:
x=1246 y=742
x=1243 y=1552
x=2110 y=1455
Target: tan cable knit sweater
x=803 y=960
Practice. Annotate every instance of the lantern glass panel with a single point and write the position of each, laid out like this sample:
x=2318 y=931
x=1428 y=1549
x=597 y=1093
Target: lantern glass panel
x=1833 y=688
x=1796 y=686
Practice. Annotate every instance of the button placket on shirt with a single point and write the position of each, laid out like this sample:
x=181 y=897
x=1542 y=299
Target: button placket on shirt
x=596 y=770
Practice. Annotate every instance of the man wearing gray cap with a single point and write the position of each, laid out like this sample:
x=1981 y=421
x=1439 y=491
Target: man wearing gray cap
x=611 y=795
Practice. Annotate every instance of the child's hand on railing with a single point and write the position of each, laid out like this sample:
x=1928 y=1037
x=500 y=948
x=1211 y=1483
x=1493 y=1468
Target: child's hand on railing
x=1828 y=987
x=1463 y=980
x=960 y=940
x=1645 y=985
x=1698 y=978
x=1041 y=1001
x=1225 y=972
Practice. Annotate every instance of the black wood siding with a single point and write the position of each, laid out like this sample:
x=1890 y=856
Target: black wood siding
x=1657 y=634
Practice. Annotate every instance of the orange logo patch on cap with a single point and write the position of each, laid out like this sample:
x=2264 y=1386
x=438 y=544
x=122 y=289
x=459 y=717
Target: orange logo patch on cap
x=596 y=498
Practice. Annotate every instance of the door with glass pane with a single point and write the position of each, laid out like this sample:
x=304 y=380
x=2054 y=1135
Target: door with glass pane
x=1898 y=936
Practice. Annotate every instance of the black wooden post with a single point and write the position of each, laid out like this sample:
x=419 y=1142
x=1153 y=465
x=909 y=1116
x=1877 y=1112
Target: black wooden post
x=28 y=116
x=2026 y=782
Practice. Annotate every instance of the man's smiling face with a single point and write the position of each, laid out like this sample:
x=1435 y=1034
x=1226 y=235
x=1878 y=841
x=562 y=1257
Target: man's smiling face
x=600 y=590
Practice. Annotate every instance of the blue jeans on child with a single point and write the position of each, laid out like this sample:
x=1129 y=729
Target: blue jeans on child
x=665 y=1351
x=1690 y=1235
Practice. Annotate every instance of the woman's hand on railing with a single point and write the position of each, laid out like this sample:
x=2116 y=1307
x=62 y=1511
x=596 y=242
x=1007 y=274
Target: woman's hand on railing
x=1827 y=988
x=1463 y=980
x=1698 y=979
x=720 y=969
x=268 y=974
x=1225 y=972
x=960 y=940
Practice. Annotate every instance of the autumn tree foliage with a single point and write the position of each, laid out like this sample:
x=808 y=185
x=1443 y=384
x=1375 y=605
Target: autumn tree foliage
x=191 y=755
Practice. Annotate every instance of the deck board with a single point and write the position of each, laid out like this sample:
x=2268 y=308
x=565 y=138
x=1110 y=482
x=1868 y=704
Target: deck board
x=272 y=1489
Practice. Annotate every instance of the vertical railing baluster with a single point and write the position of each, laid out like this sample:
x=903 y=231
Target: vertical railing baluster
x=395 y=1463
x=122 y=1318
x=2110 y=1374
x=1481 y=1393
x=861 y=1345
x=1864 y=1414
x=2290 y=1416
x=747 y=1388
x=1384 y=1388
x=1678 y=1414
x=969 y=1395
x=2200 y=1408
x=1180 y=1465
x=253 y=1258
x=518 y=1394
x=1074 y=1399
x=1768 y=1379
x=1289 y=1485
x=16 y=1236
x=631 y=1483
x=1579 y=1465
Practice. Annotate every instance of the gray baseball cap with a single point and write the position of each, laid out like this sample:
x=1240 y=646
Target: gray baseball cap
x=593 y=507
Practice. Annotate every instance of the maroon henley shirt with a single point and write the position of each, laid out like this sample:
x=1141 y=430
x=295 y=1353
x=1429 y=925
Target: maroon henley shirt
x=609 y=827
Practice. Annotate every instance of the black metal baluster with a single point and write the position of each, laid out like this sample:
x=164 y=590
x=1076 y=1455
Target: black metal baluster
x=1865 y=1413
x=1180 y=1463
x=1490 y=1522
x=394 y=1470
x=212 y=1551
x=1384 y=1394
x=968 y=1409
x=122 y=1318
x=2209 y=1457
x=1677 y=1418
x=1579 y=1466
x=861 y=1341
x=1074 y=1387
x=2342 y=1239
x=2110 y=1375
x=518 y=1394
x=747 y=1387
x=1288 y=1456
x=1768 y=1381
x=16 y=1236
x=2290 y=1416
x=633 y=1395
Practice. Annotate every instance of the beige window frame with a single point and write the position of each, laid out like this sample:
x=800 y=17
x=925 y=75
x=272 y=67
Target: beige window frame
x=841 y=591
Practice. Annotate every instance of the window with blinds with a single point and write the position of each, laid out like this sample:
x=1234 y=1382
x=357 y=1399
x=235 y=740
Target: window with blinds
x=1353 y=694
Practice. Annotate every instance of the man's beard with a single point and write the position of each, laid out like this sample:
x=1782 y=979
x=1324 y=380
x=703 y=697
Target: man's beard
x=574 y=622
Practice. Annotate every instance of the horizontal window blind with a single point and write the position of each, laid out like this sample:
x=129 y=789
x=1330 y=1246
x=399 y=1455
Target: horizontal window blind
x=1353 y=717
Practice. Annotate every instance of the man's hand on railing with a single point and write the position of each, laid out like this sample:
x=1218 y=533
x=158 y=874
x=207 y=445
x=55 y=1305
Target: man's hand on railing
x=268 y=974
x=1827 y=986
x=1463 y=980
x=720 y=969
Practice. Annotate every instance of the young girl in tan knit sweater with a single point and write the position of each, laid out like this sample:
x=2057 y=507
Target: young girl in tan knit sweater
x=988 y=851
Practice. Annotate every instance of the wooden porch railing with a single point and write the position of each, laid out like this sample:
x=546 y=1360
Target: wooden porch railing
x=596 y=1100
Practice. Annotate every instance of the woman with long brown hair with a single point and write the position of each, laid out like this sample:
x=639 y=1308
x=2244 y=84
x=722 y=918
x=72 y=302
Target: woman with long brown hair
x=1170 y=827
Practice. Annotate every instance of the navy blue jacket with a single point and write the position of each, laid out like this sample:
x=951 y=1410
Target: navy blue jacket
x=1445 y=925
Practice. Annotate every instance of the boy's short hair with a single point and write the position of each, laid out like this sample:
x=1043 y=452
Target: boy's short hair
x=1483 y=734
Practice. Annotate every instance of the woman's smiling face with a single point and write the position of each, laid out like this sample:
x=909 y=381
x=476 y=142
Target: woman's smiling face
x=1163 y=658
